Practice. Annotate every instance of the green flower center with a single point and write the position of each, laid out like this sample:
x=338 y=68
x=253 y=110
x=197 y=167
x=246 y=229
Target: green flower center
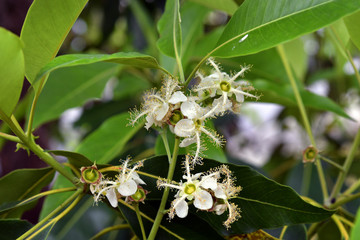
x=90 y=175
x=139 y=195
x=225 y=86
x=189 y=188
x=176 y=117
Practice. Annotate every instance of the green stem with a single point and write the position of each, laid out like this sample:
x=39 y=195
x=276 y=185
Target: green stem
x=109 y=229
x=57 y=218
x=347 y=164
x=136 y=206
x=352 y=188
x=176 y=50
x=10 y=137
x=344 y=199
x=304 y=116
x=43 y=194
x=283 y=231
x=53 y=213
x=164 y=198
x=35 y=148
x=166 y=144
x=331 y=162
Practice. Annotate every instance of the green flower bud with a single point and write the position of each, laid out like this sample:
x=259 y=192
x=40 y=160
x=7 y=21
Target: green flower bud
x=90 y=175
x=176 y=116
x=309 y=154
x=139 y=195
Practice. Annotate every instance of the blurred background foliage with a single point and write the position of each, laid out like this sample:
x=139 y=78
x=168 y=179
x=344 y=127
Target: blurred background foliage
x=268 y=135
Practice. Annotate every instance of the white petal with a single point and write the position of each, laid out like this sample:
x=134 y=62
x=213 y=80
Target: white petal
x=190 y=109
x=161 y=112
x=184 y=128
x=149 y=121
x=187 y=141
x=137 y=178
x=220 y=193
x=220 y=208
x=209 y=182
x=239 y=97
x=177 y=97
x=127 y=188
x=203 y=200
x=181 y=209
x=111 y=196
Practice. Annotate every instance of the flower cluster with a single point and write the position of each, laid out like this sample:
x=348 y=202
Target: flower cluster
x=125 y=184
x=186 y=112
x=205 y=191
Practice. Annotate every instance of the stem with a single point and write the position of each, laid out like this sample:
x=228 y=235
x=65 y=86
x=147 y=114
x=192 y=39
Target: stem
x=340 y=226
x=331 y=162
x=352 y=188
x=344 y=200
x=60 y=216
x=304 y=116
x=35 y=148
x=347 y=164
x=166 y=144
x=176 y=50
x=43 y=194
x=283 y=231
x=53 y=213
x=164 y=198
x=10 y=137
x=136 y=206
x=345 y=51
x=109 y=229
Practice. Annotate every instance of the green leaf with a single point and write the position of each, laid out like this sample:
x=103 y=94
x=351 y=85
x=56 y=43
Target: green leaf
x=263 y=202
x=46 y=25
x=71 y=87
x=76 y=159
x=11 y=71
x=355 y=232
x=283 y=94
x=22 y=184
x=13 y=228
x=107 y=142
x=271 y=22
x=228 y=6
x=169 y=28
x=71 y=60
x=297 y=57
x=353 y=27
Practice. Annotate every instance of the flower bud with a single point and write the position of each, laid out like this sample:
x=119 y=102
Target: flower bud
x=176 y=117
x=309 y=154
x=139 y=195
x=90 y=175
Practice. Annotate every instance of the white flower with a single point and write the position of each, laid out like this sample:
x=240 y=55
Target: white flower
x=125 y=184
x=220 y=83
x=192 y=189
x=225 y=191
x=158 y=105
x=192 y=127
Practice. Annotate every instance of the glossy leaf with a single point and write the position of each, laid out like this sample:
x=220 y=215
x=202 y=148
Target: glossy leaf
x=20 y=185
x=269 y=23
x=228 y=6
x=11 y=71
x=170 y=29
x=283 y=94
x=355 y=232
x=72 y=60
x=76 y=159
x=107 y=142
x=263 y=202
x=297 y=57
x=71 y=87
x=13 y=228
x=46 y=25
x=353 y=27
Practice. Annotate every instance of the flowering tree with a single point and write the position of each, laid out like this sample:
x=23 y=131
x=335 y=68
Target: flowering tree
x=184 y=187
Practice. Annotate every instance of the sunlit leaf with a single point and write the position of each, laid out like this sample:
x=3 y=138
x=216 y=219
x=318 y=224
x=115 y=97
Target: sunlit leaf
x=228 y=6
x=353 y=27
x=11 y=71
x=271 y=22
x=46 y=25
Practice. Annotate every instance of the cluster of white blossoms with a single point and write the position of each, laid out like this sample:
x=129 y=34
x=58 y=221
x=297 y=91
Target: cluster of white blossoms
x=185 y=112
x=125 y=184
x=206 y=191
